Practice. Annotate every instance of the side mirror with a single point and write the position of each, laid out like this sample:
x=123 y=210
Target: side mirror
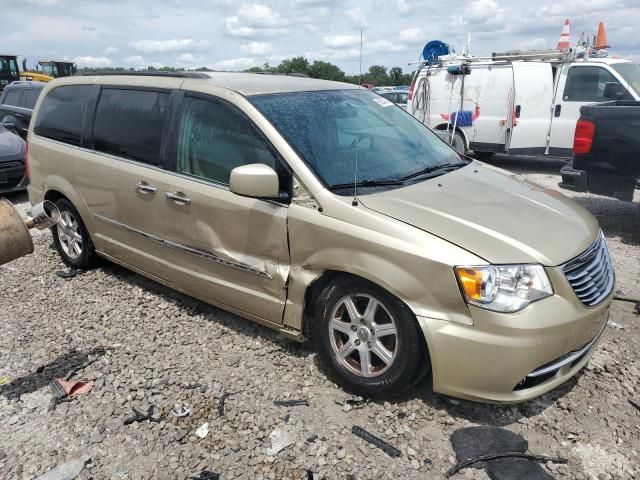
x=613 y=90
x=255 y=180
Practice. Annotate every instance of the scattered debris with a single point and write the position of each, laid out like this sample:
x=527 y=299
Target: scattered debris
x=180 y=435
x=140 y=416
x=64 y=390
x=636 y=405
x=378 y=442
x=98 y=351
x=223 y=398
x=193 y=386
x=180 y=410
x=501 y=452
x=352 y=400
x=637 y=309
x=206 y=475
x=450 y=401
x=203 y=430
x=72 y=272
x=613 y=324
x=280 y=440
x=312 y=438
x=67 y=470
x=291 y=403
x=4 y=379
x=120 y=472
x=427 y=461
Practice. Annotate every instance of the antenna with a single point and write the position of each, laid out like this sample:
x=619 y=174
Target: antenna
x=355 y=172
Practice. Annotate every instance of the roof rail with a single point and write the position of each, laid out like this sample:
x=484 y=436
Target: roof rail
x=550 y=54
x=288 y=74
x=149 y=74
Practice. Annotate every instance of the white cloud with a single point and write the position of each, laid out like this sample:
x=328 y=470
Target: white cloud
x=93 y=62
x=357 y=18
x=110 y=50
x=257 y=48
x=173 y=45
x=236 y=64
x=255 y=20
x=187 y=58
x=134 y=60
x=341 y=41
x=412 y=35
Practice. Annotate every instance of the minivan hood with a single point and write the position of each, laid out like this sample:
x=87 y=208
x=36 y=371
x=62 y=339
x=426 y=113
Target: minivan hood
x=494 y=214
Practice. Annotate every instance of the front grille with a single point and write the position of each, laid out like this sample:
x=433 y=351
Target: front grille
x=9 y=165
x=591 y=274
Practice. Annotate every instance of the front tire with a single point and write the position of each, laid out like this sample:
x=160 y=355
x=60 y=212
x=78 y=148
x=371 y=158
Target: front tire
x=71 y=238
x=369 y=339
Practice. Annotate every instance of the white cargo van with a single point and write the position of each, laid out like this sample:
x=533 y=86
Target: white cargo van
x=517 y=102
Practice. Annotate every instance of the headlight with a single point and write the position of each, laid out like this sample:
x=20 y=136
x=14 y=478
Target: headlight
x=503 y=288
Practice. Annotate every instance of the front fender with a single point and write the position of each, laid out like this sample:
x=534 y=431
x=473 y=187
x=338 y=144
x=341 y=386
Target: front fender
x=413 y=265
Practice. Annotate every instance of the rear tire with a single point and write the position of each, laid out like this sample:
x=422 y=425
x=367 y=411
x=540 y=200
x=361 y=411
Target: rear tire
x=368 y=338
x=71 y=238
x=458 y=143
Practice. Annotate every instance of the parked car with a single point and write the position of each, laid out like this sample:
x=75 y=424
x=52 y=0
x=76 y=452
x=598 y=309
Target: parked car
x=16 y=105
x=399 y=97
x=243 y=190
x=12 y=162
x=606 y=150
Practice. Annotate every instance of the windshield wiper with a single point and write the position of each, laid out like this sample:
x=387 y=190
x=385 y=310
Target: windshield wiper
x=433 y=170
x=384 y=182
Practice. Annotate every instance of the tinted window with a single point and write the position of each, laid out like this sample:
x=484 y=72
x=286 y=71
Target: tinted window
x=29 y=98
x=12 y=97
x=586 y=84
x=61 y=113
x=215 y=138
x=129 y=123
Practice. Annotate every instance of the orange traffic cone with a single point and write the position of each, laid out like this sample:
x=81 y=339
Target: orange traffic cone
x=563 y=42
x=601 y=39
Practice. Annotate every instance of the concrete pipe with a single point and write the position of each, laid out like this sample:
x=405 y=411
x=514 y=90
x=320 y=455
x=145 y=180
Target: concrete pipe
x=15 y=240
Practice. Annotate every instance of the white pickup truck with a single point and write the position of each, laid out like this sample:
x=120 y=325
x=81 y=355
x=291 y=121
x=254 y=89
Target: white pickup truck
x=517 y=103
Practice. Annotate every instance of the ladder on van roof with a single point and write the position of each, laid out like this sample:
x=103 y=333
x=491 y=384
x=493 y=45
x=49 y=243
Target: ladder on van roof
x=550 y=55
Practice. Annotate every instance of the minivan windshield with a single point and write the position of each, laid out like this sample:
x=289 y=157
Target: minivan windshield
x=332 y=129
x=630 y=72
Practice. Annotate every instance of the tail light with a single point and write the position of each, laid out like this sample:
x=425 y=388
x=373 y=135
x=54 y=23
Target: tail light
x=583 y=138
x=413 y=85
x=27 y=173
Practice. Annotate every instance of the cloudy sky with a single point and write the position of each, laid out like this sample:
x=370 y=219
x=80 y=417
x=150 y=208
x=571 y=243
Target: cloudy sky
x=232 y=35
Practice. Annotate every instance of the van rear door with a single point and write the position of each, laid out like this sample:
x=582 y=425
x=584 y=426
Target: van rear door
x=532 y=107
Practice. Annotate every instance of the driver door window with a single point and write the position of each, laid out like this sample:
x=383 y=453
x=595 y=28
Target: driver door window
x=587 y=84
x=214 y=138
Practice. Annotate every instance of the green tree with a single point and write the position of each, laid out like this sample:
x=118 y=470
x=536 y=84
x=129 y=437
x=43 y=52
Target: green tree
x=377 y=75
x=326 y=71
x=295 y=65
x=395 y=74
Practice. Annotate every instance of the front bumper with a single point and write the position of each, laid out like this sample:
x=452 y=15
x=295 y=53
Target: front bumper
x=500 y=357
x=12 y=177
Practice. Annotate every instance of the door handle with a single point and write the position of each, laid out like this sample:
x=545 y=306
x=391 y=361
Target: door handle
x=518 y=109
x=558 y=109
x=143 y=187
x=178 y=197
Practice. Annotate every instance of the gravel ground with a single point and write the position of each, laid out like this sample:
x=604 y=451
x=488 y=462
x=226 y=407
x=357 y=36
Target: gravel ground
x=155 y=347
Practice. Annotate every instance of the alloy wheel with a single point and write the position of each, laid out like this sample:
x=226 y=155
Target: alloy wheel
x=70 y=235
x=363 y=335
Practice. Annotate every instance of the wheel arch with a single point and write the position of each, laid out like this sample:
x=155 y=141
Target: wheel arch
x=446 y=126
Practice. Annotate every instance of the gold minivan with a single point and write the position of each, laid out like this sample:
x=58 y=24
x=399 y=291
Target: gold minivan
x=324 y=211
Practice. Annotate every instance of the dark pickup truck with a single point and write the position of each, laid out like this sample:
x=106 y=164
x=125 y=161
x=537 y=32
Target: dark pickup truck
x=606 y=150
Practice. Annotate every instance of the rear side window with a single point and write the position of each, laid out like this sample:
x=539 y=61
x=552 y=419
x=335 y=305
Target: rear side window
x=587 y=84
x=61 y=113
x=129 y=124
x=12 y=97
x=29 y=98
